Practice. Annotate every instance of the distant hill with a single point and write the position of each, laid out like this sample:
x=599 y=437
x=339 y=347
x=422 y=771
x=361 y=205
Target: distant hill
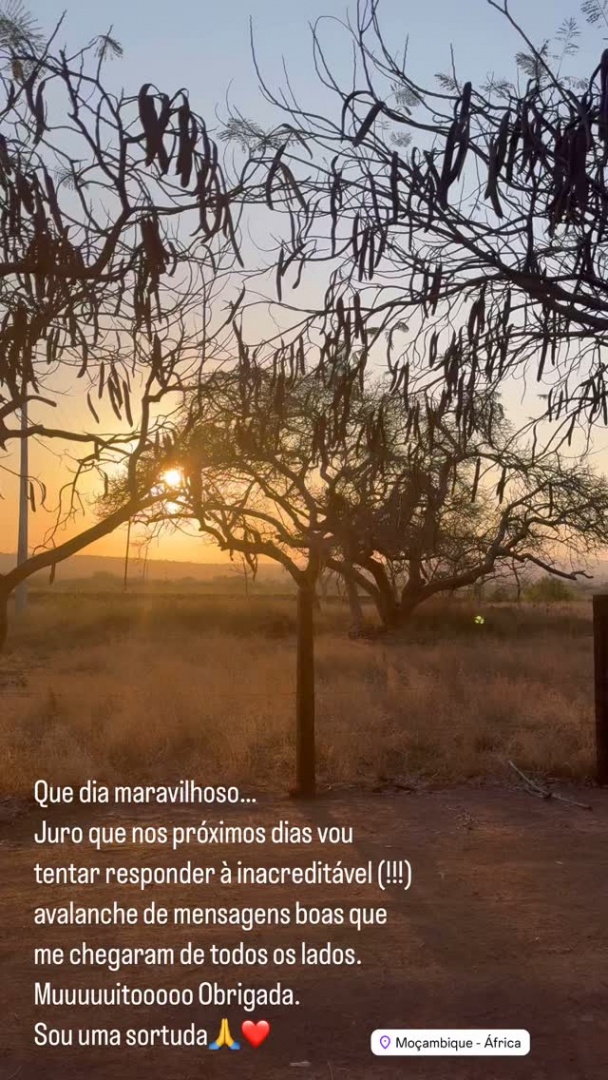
x=158 y=570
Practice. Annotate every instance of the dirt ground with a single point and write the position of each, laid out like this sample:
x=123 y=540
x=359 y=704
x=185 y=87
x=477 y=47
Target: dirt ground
x=506 y=925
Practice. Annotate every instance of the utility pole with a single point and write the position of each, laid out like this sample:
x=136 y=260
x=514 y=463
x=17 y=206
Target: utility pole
x=600 y=640
x=22 y=541
x=126 y=574
x=305 y=694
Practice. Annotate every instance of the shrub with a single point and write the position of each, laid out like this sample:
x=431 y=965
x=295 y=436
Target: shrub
x=549 y=590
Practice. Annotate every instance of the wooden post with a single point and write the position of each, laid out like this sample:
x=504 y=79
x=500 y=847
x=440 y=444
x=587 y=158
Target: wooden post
x=600 y=662
x=22 y=543
x=125 y=579
x=305 y=695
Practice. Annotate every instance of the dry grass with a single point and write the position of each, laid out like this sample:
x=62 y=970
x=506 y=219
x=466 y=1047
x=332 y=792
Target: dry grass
x=159 y=688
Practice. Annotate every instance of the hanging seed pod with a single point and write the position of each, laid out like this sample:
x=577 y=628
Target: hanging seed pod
x=187 y=137
x=367 y=124
x=543 y=357
x=348 y=100
x=472 y=325
x=448 y=156
x=578 y=168
x=24 y=192
x=340 y=312
x=435 y=288
x=355 y=237
x=374 y=199
x=362 y=254
x=433 y=348
x=394 y=182
x=293 y=186
x=5 y=161
x=272 y=172
x=113 y=401
x=502 y=483
x=371 y=258
x=126 y=396
x=39 y=113
x=279 y=273
x=476 y=479
x=149 y=122
x=359 y=326
x=512 y=152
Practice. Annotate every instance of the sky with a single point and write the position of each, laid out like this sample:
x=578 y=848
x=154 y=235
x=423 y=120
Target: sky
x=205 y=46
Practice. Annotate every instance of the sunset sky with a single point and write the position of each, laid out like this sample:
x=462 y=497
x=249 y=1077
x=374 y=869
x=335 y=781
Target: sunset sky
x=204 y=46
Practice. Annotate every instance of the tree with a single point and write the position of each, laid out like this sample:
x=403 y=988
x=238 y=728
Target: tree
x=402 y=519
x=474 y=219
x=118 y=228
x=248 y=457
x=449 y=512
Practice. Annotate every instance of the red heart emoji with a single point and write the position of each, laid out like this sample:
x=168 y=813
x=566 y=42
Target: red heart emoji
x=255 y=1033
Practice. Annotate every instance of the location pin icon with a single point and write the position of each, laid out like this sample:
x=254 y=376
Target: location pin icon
x=385 y=1041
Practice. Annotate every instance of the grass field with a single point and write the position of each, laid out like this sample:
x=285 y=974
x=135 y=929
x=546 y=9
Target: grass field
x=165 y=686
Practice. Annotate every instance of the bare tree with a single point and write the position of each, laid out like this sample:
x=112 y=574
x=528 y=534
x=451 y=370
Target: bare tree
x=470 y=223
x=118 y=233
x=401 y=519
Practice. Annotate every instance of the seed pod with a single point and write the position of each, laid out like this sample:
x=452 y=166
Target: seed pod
x=126 y=401
x=149 y=121
x=187 y=136
x=433 y=348
x=39 y=113
x=465 y=106
x=368 y=122
x=271 y=175
x=51 y=195
x=5 y=161
x=92 y=407
x=362 y=253
x=476 y=479
x=355 y=236
x=359 y=327
x=502 y=483
x=512 y=152
x=24 y=192
x=279 y=273
x=448 y=155
x=435 y=288
x=394 y=180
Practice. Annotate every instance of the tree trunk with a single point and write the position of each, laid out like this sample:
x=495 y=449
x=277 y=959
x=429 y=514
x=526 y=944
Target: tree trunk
x=305 y=695
x=3 y=618
x=389 y=611
x=357 y=621
x=387 y=604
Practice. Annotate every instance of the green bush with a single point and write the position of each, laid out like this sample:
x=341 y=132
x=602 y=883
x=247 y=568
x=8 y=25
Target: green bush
x=549 y=590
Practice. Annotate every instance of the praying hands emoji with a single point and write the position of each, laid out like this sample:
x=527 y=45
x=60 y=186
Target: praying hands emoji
x=225 y=1039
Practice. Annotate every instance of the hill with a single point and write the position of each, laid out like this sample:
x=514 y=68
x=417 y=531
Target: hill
x=157 y=570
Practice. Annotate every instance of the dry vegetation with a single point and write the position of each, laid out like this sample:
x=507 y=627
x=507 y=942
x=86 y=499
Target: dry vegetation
x=159 y=687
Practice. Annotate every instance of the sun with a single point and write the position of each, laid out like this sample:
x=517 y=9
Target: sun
x=173 y=478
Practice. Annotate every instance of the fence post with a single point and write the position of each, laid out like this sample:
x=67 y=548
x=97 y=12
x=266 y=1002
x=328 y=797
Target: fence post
x=600 y=664
x=305 y=695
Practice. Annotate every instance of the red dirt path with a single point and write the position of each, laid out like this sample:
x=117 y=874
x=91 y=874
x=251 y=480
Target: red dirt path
x=506 y=925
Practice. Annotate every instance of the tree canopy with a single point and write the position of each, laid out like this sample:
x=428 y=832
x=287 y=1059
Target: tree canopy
x=467 y=222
